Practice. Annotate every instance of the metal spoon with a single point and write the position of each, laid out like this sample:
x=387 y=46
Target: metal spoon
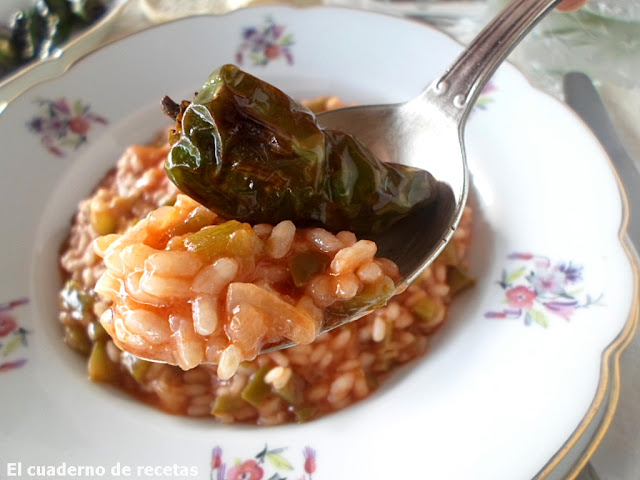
x=428 y=132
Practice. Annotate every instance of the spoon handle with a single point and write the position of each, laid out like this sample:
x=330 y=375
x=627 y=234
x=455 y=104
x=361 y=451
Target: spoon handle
x=457 y=89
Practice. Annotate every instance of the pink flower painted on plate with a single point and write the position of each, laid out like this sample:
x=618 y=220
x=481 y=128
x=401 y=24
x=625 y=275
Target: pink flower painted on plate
x=248 y=470
x=80 y=126
x=63 y=125
x=535 y=287
x=13 y=337
x=272 y=51
x=7 y=324
x=520 y=297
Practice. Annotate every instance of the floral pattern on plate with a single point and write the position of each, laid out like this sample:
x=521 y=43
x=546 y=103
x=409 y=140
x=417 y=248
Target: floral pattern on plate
x=265 y=43
x=63 y=124
x=535 y=287
x=268 y=464
x=13 y=337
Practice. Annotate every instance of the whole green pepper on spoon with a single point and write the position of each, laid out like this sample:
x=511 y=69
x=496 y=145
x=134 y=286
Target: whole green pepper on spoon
x=247 y=151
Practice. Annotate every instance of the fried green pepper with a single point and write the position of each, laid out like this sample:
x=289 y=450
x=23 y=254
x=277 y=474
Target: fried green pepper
x=248 y=151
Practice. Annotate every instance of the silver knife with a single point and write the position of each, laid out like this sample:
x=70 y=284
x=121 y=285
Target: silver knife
x=583 y=98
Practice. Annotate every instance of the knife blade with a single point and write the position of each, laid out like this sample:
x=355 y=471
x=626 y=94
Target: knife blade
x=583 y=98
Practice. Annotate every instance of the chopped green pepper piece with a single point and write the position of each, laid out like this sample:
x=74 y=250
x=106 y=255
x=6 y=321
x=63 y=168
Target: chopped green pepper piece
x=293 y=390
x=213 y=239
x=104 y=222
x=458 y=279
x=305 y=414
x=96 y=331
x=192 y=224
x=256 y=390
x=305 y=265
x=426 y=308
x=248 y=151
x=77 y=300
x=139 y=370
x=100 y=366
x=76 y=337
x=136 y=367
x=227 y=404
x=373 y=295
x=231 y=238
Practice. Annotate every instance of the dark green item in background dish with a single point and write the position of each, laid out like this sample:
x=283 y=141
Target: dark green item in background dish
x=249 y=152
x=34 y=33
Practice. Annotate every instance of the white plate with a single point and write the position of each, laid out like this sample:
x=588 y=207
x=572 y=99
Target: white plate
x=511 y=382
